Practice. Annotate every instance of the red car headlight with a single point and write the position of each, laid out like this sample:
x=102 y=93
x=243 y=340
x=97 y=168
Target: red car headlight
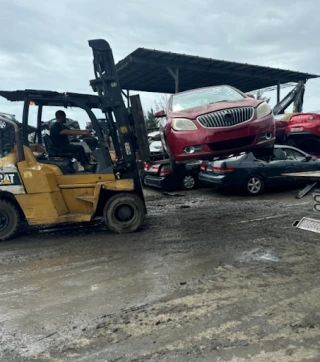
x=183 y=124
x=263 y=110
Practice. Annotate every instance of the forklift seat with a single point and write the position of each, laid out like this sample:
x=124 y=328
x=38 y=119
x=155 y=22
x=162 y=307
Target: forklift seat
x=53 y=151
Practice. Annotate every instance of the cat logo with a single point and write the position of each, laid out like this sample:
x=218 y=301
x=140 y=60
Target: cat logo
x=6 y=178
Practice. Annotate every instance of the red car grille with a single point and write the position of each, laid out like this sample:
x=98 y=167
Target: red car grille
x=232 y=144
x=226 y=118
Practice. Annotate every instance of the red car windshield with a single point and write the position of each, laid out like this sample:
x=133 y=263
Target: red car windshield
x=202 y=97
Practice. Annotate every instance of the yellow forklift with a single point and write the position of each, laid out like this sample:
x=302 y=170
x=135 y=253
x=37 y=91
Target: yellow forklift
x=41 y=185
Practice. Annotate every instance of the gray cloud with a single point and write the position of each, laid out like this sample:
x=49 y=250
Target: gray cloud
x=45 y=44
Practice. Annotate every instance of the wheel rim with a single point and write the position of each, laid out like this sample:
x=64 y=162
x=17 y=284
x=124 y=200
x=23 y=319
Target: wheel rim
x=4 y=220
x=254 y=185
x=124 y=213
x=188 y=182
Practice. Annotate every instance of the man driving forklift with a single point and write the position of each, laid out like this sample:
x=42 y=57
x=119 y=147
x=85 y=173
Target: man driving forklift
x=59 y=136
x=41 y=191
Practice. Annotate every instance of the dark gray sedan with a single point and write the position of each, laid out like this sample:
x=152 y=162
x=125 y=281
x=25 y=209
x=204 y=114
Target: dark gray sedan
x=253 y=175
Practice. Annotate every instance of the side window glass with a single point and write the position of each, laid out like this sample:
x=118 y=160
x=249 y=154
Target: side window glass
x=278 y=154
x=293 y=155
x=289 y=154
x=298 y=156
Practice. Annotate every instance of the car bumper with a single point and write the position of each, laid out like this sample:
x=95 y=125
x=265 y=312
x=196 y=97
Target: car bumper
x=301 y=134
x=213 y=180
x=155 y=181
x=210 y=142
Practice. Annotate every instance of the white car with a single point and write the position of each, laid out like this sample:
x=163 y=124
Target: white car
x=154 y=136
x=156 y=147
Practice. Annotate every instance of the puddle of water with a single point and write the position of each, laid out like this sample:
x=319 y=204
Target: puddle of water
x=258 y=254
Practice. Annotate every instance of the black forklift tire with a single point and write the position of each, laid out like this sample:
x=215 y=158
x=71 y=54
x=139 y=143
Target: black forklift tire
x=124 y=213
x=9 y=220
x=188 y=182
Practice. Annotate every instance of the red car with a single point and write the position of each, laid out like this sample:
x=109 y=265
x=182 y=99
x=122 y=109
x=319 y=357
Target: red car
x=215 y=121
x=281 y=122
x=303 y=128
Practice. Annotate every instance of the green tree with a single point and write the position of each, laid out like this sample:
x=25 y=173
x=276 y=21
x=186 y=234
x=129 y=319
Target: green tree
x=151 y=120
x=260 y=96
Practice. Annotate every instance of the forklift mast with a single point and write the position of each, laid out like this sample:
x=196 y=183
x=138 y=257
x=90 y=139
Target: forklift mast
x=295 y=97
x=106 y=84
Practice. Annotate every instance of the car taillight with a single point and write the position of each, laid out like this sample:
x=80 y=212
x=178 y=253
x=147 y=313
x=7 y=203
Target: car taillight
x=165 y=172
x=155 y=167
x=203 y=167
x=146 y=167
x=314 y=156
x=305 y=118
x=222 y=169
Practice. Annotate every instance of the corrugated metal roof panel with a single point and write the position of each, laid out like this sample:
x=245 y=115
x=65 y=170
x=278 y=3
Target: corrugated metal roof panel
x=145 y=70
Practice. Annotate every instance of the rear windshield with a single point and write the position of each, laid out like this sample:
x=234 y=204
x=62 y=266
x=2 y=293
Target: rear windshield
x=202 y=97
x=233 y=157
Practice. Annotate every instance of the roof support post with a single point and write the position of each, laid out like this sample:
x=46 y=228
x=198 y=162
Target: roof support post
x=175 y=76
x=25 y=116
x=127 y=95
x=278 y=92
x=39 y=118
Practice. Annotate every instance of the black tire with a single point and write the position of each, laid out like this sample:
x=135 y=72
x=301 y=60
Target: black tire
x=9 y=219
x=188 y=182
x=177 y=168
x=124 y=213
x=255 y=185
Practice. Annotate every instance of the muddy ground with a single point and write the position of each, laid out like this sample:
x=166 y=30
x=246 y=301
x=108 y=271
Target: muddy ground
x=211 y=277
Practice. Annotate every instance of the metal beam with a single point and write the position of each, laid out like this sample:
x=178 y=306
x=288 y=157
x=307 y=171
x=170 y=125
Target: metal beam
x=39 y=118
x=211 y=69
x=140 y=128
x=175 y=76
x=127 y=95
x=278 y=92
x=128 y=98
x=25 y=116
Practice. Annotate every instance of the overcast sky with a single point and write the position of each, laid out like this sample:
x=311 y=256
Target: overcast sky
x=44 y=43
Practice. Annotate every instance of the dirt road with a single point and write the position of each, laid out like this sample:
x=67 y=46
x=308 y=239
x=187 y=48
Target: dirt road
x=211 y=277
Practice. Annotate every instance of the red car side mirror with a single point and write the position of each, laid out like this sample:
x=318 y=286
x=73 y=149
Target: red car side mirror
x=160 y=114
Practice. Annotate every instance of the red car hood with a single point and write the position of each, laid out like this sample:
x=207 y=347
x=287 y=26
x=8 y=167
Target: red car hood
x=192 y=113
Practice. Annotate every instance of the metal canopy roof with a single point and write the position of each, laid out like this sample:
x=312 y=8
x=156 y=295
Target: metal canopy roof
x=51 y=98
x=147 y=70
